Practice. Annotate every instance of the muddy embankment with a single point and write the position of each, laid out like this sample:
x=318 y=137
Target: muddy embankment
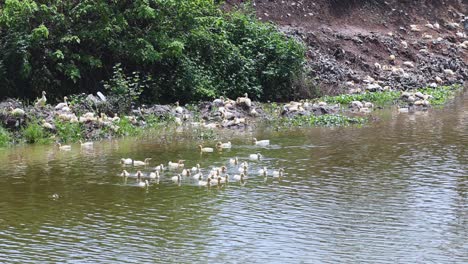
x=354 y=48
x=356 y=45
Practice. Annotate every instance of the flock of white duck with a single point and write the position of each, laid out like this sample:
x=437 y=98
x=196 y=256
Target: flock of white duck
x=233 y=171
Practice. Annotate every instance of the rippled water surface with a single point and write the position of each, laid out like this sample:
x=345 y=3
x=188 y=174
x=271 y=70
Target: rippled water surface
x=391 y=192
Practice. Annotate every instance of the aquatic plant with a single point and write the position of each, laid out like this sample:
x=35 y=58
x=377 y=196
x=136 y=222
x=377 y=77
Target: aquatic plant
x=440 y=95
x=327 y=120
x=379 y=98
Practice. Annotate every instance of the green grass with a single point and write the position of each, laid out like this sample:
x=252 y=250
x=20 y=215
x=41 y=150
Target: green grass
x=69 y=132
x=5 y=137
x=35 y=133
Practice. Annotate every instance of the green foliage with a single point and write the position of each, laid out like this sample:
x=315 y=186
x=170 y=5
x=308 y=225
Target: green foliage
x=124 y=89
x=126 y=128
x=441 y=94
x=35 y=133
x=5 y=137
x=327 y=120
x=379 y=98
x=69 y=132
x=190 y=50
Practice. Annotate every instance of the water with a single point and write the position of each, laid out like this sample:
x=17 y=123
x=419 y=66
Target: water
x=391 y=192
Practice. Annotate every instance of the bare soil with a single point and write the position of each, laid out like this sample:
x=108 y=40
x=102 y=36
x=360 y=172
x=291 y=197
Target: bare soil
x=349 y=41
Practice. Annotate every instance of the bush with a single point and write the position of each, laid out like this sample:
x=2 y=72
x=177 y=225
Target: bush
x=69 y=132
x=35 y=133
x=190 y=50
x=5 y=137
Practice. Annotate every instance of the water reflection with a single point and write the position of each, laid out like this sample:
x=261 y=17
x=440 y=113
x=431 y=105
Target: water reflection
x=393 y=191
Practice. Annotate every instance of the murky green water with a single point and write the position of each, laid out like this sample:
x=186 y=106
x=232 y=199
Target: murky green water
x=391 y=192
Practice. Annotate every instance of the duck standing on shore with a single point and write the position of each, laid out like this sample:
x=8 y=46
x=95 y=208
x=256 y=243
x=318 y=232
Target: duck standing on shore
x=41 y=102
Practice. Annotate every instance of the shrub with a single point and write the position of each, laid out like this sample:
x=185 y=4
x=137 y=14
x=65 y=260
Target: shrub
x=69 y=132
x=5 y=137
x=190 y=50
x=35 y=133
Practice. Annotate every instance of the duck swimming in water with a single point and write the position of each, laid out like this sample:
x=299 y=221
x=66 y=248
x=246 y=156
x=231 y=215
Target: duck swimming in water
x=124 y=173
x=64 y=147
x=255 y=156
x=222 y=145
x=141 y=163
x=278 y=173
x=261 y=143
x=205 y=150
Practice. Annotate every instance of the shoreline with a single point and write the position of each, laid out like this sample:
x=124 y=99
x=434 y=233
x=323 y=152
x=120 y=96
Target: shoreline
x=78 y=121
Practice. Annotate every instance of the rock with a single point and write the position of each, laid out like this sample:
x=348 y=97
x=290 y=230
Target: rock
x=408 y=64
x=373 y=87
x=365 y=110
x=415 y=28
x=420 y=95
x=368 y=105
x=92 y=99
x=404 y=44
x=427 y=36
x=438 y=79
x=421 y=103
x=356 y=104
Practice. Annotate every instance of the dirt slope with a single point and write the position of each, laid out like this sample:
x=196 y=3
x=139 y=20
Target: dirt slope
x=350 y=41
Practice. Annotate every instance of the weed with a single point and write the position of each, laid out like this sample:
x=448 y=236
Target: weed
x=35 y=133
x=441 y=94
x=5 y=137
x=379 y=98
x=69 y=132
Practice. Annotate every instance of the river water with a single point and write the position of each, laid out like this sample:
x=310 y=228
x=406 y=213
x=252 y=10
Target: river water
x=394 y=191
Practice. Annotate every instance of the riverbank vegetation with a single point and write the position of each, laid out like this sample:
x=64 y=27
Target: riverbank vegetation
x=169 y=50
x=48 y=125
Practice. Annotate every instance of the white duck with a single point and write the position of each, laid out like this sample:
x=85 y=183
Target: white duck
x=263 y=172
x=41 y=101
x=278 y=173
x=175 y=165
x=243 y=169
x=143 y=184
x=154 y=175
x=257 y=156
x=196 y=169
x=178 y=108
x=176 y=179
x=64 y=147
x=159 y=167
x=17 y=112
x=141 y=163
x=124 y=173
x=127 y=161
x=234 y=161
x=86 y=144
x=222 y=145
x=186 y=172
x=262 y=143
x=206 y=183
x=205 y=150
x=60 y=106
x=224 y=179
x=198 y=176
x=240 y=177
